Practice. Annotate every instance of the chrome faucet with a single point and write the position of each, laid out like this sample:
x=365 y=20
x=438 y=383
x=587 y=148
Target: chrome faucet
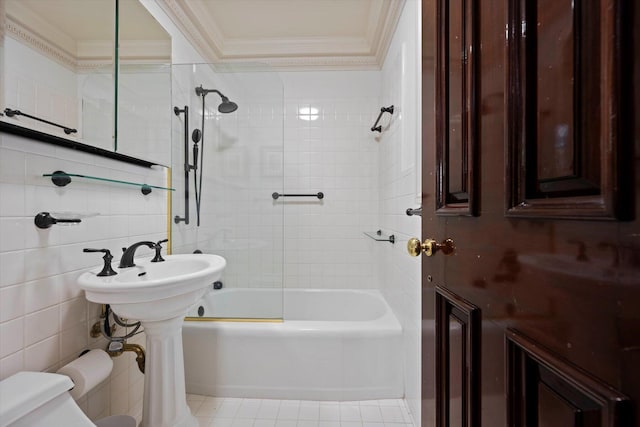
x=127 y=256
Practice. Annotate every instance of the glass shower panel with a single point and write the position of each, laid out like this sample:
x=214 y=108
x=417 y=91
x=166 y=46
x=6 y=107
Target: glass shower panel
x=240 y=155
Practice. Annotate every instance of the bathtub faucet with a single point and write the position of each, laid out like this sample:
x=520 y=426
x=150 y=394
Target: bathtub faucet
x=127 y=256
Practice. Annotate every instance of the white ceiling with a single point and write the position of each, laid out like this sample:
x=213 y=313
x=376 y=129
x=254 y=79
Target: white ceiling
x=286 y=34
x=289 y=34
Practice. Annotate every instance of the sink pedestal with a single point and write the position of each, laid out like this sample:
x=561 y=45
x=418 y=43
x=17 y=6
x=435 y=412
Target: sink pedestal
x=159 y=294
x=165 y=398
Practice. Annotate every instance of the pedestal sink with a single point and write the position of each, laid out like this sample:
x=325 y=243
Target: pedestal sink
x=159 y=295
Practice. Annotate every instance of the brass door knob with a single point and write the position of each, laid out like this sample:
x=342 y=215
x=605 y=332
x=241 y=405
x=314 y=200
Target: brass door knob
x=429 y=247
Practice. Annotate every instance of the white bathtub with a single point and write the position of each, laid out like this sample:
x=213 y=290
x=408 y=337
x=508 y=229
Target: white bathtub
x=332 y=345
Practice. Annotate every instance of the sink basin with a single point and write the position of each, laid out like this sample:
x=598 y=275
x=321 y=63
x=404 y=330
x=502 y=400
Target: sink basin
x=154 y=290
x=159 y=295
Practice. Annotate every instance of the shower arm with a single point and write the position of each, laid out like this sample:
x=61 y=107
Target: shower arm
x=203 y=92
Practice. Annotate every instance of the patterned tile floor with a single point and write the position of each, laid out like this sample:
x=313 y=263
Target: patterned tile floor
x=233 y=412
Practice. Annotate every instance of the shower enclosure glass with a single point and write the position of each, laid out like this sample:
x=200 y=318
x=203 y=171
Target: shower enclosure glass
x=239 y=165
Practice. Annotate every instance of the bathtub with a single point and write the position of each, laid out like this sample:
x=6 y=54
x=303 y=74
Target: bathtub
x=332 y=345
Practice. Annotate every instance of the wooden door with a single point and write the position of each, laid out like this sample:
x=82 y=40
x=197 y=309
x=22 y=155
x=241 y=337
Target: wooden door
x=531 y=165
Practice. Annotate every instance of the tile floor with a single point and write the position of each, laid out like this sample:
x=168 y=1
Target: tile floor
x=233 y=412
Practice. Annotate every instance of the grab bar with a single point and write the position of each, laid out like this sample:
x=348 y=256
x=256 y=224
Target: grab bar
x=375 y=127
x=417 y=211
x=10 y=113
x=319 y=195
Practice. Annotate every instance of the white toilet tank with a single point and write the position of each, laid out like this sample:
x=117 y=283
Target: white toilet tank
x=39 y=399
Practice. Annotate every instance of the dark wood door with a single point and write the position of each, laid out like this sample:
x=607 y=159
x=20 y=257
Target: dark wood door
x=531 y=165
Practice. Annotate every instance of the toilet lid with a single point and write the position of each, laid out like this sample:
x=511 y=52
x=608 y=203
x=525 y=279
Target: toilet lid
x=23 y=392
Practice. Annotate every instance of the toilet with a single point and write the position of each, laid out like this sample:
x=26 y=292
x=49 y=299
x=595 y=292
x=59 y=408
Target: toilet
x=41 y=399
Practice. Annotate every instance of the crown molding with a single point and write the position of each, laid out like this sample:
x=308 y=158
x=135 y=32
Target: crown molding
x=385 y=35
x=303 y=53
x=288 y=47
x=40 y=44
x=315 y=63
x=207 y=26
x=24 y=16
x=91 y=54
x=187 y=26
x=89 y=65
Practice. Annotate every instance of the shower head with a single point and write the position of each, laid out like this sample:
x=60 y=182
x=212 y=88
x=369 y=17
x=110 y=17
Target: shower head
x=225 y=107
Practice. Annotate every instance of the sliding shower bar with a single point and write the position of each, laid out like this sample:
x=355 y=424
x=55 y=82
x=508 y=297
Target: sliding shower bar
x=319 y=195
x=376 y=127
x=177 y=111
x=10 y=113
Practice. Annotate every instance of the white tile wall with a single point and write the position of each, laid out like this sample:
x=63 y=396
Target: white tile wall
x=44 y=317
x=337 y=154
x=399 y=189
x=246 y=161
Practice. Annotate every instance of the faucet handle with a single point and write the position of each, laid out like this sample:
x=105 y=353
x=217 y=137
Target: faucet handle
x=106 y=269
x=158 y=248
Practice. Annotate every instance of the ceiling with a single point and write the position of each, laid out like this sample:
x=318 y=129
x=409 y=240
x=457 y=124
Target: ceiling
x=286 y=34
x=289 y=34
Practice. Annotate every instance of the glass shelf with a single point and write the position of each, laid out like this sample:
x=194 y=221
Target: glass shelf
x=379 y=236
x=61 y=179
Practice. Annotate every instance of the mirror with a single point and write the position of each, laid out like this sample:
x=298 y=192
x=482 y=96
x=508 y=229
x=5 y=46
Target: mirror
x=143 y=125
x=59 y=66
x=51 y=50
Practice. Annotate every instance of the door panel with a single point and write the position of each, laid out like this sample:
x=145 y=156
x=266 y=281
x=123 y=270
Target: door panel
x=569 y=285
x=544 y=390
x=458 y=361
x=564 y=101
x=456 y=86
